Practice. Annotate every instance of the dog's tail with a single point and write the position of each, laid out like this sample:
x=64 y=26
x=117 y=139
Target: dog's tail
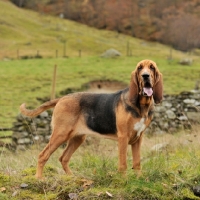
x=40 y=109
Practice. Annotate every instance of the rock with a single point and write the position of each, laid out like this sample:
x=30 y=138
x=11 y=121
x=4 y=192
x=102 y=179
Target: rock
x=20 y=147
x=163 y=124
x=160 y=109
x=20 y=118
x=38 y=138
x=47 y=138
x=194 y=116
x=44 y=114
x=167 y=104
x=21 y=128
x=18 y=123
x=186 y=61
x=158 y=131
x=24 y=185
x=170 y=114
x=183 y=118
x=24 y=141
x=189 y=101
x=73 y=196
x=111 y=53
x=159 y=147
x=15 y=193
x=42 y=131
x=41 y=124
x=196 y=190
x=197 y=103
x=18 y=135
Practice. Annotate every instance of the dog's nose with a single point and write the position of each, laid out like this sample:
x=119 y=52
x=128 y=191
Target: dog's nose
x=145 y=76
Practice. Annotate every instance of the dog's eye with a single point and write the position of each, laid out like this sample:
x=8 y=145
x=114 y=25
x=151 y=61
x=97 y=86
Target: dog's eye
x=152 y=67
x=140 y=67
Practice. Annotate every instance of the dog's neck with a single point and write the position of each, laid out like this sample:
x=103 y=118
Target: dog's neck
x=145 y=104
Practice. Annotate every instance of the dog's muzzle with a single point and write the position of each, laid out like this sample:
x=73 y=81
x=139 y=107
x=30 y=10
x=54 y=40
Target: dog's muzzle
x=147 y=89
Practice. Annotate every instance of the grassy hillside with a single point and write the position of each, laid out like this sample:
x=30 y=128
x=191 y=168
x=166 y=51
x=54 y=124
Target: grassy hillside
x=23 y=33
x=28 y=32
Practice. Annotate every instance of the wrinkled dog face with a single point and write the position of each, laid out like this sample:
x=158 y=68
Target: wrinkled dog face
x=146 y=75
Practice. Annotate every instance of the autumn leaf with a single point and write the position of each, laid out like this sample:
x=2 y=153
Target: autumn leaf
x=109 y=194
x=73 y=196
x=87 y=183
x=2 y=189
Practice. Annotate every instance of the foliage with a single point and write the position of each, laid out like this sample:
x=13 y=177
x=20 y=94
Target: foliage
x=184 y=39
x=150 y=20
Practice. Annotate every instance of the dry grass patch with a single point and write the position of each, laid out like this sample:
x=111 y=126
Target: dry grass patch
x=169 y=173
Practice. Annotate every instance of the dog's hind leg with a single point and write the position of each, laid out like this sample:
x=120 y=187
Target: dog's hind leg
x=57 y=138
x=72 y=146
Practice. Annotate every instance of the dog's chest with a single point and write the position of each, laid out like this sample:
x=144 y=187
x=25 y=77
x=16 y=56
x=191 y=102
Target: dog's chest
x=140 y=126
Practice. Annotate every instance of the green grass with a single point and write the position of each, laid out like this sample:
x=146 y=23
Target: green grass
x=25 y=80
x=169 y=174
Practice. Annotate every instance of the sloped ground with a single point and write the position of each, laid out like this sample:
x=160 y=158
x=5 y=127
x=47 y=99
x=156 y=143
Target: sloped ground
x=171 y=172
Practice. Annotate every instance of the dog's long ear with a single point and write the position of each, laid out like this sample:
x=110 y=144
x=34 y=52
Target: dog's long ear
x=158 y=88
x=133 y=88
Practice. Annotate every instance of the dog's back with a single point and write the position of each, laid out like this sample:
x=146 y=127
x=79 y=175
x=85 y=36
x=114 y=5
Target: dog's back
x=99 y=111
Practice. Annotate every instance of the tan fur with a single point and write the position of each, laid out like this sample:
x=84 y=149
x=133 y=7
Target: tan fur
x=69 y=124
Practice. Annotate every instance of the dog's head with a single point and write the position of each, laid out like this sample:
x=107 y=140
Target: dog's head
x=146 y=80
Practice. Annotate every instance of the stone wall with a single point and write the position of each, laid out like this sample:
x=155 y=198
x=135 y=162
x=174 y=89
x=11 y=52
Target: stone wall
x=176 y=112
x=28 y=131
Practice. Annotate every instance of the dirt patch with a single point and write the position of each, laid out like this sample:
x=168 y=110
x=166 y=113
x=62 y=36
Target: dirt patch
x=102 y=86
x=96 y=86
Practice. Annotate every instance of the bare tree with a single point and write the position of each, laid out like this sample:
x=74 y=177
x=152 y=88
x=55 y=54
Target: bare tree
x=183 y=32
x=19 y=3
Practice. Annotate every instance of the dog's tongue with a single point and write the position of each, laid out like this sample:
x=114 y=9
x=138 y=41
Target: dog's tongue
x=148 y=91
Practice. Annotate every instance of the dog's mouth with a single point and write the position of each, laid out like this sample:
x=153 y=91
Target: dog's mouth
x=147 y=91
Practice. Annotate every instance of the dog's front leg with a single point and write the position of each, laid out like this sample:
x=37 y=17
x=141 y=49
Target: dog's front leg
x=122 y=148
x=136 y=154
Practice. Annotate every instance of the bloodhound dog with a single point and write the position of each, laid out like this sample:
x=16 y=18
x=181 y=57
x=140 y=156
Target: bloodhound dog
x=122 y=116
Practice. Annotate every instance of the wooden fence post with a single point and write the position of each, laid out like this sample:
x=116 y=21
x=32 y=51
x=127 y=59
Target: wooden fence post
x=53 y=83
x=127 y=48
x=64 y=48
x=17 y=53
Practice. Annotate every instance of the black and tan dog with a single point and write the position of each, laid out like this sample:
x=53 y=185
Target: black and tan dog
x=122 y=116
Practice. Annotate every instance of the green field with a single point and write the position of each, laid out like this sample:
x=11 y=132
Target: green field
x=25 y=80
